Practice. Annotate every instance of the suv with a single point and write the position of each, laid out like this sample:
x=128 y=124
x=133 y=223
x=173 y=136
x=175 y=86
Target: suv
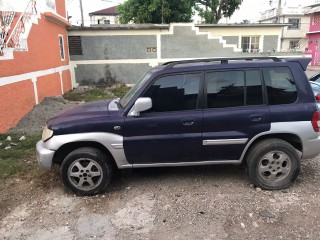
x=259 y=112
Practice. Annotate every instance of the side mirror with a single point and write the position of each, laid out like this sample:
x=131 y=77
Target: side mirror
x=141 y=104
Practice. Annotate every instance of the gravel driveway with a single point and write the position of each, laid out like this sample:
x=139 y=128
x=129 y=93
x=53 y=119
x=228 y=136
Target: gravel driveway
x=215 y=202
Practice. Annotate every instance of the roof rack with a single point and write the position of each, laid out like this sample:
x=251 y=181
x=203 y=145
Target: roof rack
x=221 y=60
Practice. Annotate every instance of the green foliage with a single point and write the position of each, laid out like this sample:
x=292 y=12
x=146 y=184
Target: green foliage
x=155 y=11
x=213 y=10
x=97 y=94
x=165 y=11
x=120 y=90
x=12 y=161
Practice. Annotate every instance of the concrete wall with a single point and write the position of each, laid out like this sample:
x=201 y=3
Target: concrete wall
x=124 y=54
x=270 y=42
x=185 y=43
x=231 y=39
x=107 y=74
x=116 y=47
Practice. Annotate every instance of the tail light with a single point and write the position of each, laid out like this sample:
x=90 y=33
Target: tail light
x=316 y=121
x=318 y=98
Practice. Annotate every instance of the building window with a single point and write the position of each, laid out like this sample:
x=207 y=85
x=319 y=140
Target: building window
x=62 y=54
x=316 y=19
x=250 y=44
x=294 y=23
x=75 y=45
x=294 y=44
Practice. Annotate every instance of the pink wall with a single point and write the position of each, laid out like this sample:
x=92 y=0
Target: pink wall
x=314 y=39
x=313 y=27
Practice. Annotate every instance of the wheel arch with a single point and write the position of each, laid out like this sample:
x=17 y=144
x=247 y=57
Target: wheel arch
x=67 y=148
x=293 y=139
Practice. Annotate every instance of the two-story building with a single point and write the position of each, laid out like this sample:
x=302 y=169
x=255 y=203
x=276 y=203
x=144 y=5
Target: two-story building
x=34 y=56
x=293 y=37
x=313 y=34
x=104 y=16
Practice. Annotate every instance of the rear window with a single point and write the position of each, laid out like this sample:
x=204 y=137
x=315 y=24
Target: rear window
x=280 y=84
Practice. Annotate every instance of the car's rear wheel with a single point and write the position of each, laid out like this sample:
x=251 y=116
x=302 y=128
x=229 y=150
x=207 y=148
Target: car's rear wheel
x=272 y=164
x=86 y=171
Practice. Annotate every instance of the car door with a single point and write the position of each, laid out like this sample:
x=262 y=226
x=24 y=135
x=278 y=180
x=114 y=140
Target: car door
x=171 y=131
x=236 y=111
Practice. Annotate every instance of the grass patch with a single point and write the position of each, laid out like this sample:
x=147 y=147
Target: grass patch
x=97 y=93
x=18 y=158
x=120 y=90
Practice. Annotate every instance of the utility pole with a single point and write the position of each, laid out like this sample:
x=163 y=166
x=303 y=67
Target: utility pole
x=81 y=9
x=278 y=11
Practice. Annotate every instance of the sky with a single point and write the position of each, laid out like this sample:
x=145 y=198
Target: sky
x=249 y=9
x=73 y=8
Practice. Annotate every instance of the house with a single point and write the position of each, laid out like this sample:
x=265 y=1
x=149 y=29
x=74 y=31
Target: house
x=293 y=37
x=104 y=16
x=34 y=56
x=313 y=34
x=106 y=54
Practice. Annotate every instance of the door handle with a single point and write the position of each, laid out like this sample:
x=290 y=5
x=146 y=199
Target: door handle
x=255 y=117
x=187 y=122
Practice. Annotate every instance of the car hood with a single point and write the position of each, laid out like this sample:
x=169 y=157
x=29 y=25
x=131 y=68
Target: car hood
x=80 y=118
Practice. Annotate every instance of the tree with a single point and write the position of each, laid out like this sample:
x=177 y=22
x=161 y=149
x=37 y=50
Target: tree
x=167 y=11
x=156 y=11
x=214 y=10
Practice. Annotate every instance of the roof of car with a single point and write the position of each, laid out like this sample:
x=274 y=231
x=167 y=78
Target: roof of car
x=234 y=62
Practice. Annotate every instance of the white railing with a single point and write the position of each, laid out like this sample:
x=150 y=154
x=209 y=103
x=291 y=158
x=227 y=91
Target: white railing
x=6 y=18
x=269 y=13
x=293 y=10
x=17 y=38
x=285 y=10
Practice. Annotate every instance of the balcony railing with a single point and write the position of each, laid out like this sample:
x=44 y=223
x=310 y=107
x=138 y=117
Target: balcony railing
x=17 y=39
x=6 y=18
x=284 y=11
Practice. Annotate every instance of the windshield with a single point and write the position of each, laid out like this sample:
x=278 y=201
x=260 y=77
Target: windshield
x=129 y=95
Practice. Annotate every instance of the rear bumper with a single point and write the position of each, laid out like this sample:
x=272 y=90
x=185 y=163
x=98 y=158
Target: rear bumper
x=44 y=156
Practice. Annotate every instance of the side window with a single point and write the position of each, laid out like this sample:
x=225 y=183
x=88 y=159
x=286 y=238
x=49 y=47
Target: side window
x=62 y=54
x=225 y=89
x=280 y=85
x=174 y=92
x=234 y=89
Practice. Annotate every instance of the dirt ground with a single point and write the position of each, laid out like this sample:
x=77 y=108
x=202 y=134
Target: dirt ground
x=215 y=202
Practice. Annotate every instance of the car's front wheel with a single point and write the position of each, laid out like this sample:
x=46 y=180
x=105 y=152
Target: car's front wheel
x=273 y=164
x=86 y=171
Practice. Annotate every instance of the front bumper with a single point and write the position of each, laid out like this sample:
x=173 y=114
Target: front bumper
x=44 y=156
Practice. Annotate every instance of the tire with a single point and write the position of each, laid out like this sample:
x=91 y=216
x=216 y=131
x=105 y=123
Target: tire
x=272 y=164
x=86 y=171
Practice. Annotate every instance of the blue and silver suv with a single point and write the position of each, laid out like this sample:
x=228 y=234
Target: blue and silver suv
x=260 y=112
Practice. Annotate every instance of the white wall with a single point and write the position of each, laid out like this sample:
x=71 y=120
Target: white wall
x=14 y=5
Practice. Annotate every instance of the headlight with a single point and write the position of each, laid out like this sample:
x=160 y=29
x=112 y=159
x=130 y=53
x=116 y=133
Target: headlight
x=46 y=134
